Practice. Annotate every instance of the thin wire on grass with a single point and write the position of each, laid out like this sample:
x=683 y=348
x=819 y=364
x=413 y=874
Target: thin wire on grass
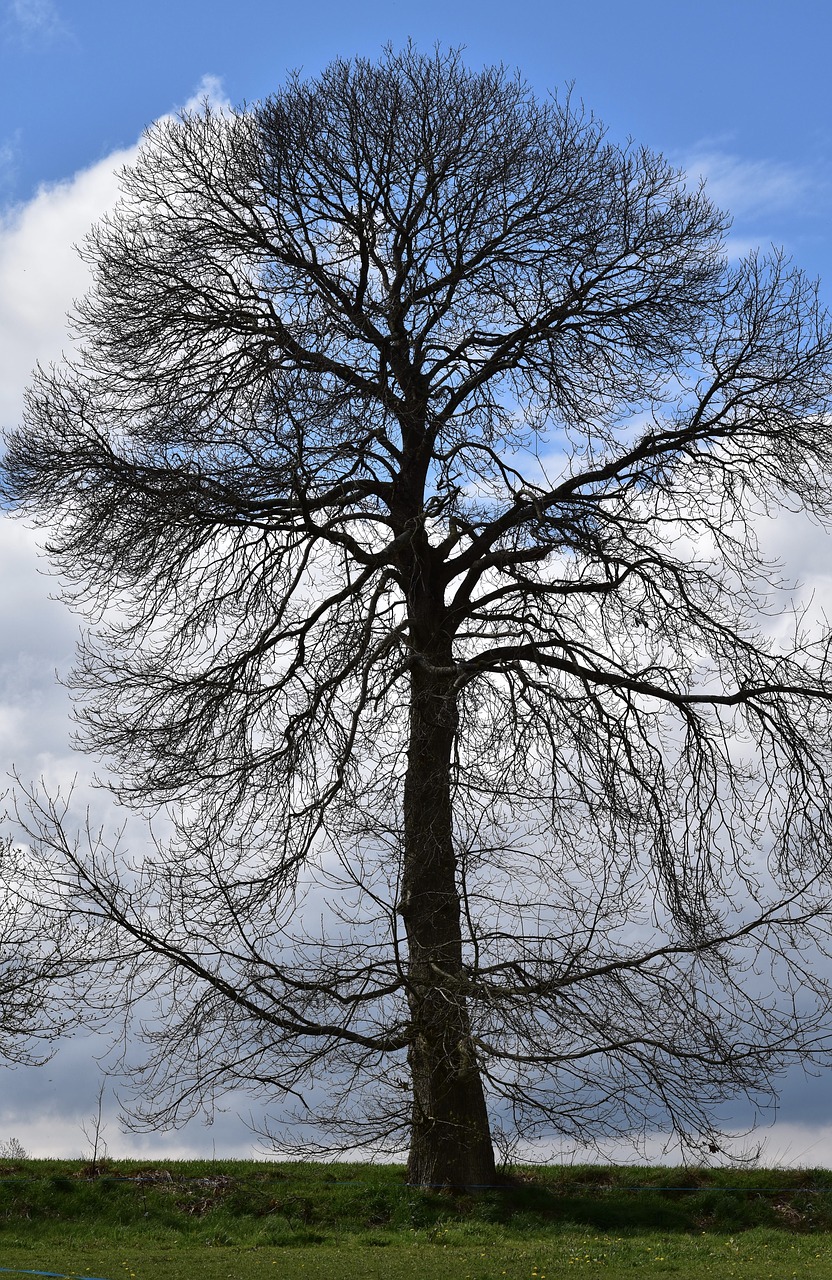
x=61 y=1275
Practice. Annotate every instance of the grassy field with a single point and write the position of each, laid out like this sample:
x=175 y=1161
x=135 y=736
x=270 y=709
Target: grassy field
x=230 y=1220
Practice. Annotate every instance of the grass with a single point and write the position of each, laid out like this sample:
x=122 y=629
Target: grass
x=238 y=1220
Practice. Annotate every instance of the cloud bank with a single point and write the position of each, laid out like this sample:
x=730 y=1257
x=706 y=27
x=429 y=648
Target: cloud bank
x=41 y=275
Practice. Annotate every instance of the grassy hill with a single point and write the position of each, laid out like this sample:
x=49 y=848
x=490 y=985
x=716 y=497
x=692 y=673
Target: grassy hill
x=206 y=1220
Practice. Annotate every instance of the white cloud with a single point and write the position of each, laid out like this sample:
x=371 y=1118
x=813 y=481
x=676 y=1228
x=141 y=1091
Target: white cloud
x=35 y=19
x=41 y=273
x=748 y=188
x=208 y=90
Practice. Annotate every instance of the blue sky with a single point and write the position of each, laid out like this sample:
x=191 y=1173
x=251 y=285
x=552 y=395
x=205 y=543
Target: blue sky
x=735 y=90
x=745 y=80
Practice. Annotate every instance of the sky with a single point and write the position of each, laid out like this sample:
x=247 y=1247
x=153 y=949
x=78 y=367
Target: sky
x=733 y=90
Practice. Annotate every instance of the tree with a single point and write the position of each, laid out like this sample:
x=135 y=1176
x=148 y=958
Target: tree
x=23 y=998
x=409 y=469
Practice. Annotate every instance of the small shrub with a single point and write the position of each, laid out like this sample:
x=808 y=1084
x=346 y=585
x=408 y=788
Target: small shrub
x=13 y=1150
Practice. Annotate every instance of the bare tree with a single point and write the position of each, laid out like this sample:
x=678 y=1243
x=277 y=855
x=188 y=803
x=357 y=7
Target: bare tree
x=409 y=471
x=31 y=968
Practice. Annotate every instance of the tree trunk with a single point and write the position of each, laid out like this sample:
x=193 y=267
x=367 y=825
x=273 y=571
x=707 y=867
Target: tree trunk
x=450 y=1135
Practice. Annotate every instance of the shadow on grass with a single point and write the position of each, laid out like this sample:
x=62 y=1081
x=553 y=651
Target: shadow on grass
x=613 y=1200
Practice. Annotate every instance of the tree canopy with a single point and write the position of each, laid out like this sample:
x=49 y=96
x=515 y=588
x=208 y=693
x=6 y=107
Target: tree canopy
x=408 y=470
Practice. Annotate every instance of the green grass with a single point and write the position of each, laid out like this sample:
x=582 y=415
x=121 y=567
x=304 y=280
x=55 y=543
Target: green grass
x=755 y=1256
x=230 y=1220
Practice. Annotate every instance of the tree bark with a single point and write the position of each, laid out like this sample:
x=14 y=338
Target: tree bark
x=450 y=1135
